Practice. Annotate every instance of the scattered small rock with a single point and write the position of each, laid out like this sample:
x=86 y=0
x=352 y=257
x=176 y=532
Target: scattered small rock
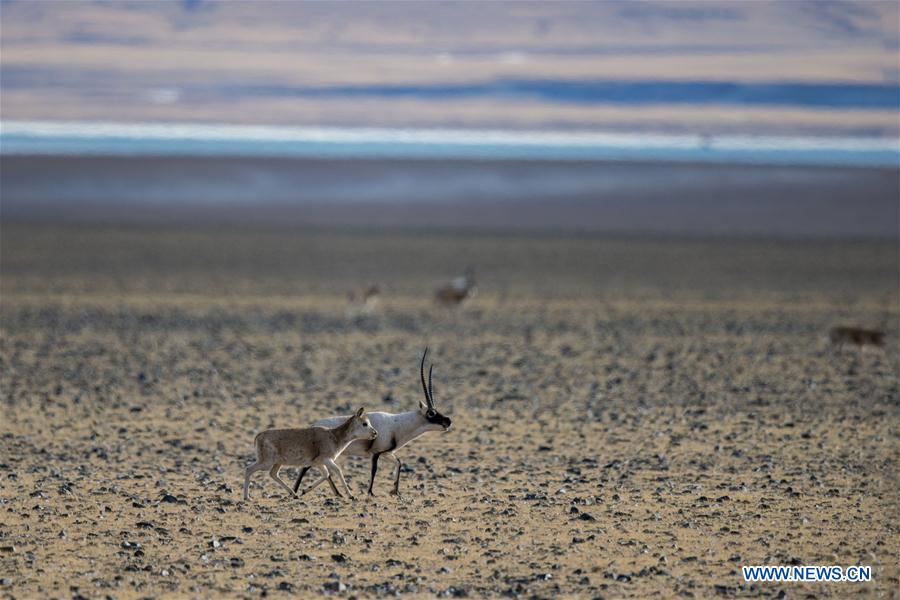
x=334 y=586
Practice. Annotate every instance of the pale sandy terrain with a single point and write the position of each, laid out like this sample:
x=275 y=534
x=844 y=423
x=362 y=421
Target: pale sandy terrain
x=632 y=417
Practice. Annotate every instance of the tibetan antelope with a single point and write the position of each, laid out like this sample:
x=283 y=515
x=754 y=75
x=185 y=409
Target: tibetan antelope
x=856 y=336
x=457 y=290
x=307 y=448
x=366 y=299
x=394 y=431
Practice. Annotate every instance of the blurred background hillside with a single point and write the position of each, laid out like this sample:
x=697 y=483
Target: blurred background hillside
x=638 y=117
x=707 y=67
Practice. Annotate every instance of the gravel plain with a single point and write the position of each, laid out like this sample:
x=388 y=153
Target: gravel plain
x=632 y=417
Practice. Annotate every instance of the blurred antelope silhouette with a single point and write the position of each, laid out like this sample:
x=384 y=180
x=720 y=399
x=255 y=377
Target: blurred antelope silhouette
x=366 y=299
x=856 y=336
x=458 y=290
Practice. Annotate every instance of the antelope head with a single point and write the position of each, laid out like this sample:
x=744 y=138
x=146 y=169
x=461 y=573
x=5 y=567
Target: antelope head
x=436 y=420
x=360 y=427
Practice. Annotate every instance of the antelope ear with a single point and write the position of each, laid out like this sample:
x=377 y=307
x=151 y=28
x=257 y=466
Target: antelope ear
x=360 y=412
x=422 y=405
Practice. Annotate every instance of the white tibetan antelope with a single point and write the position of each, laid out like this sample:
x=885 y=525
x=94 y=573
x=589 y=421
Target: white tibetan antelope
x=395 y=430
x=309 y=447
x=458 y=290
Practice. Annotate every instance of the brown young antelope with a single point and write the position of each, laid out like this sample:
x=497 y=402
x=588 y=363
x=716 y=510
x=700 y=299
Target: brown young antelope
x=394 y=431
x=856 y=336
x=457 y=290
x=307 y=448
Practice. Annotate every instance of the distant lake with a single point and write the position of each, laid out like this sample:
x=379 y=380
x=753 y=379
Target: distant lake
x=835 y=95
x=507 y=180
x=800 y=94
x=161 y=139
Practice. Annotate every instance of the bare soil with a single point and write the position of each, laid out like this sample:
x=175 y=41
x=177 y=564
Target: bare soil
x=632 y=417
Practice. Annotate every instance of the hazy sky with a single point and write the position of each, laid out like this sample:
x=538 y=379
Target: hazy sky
x=269 y=62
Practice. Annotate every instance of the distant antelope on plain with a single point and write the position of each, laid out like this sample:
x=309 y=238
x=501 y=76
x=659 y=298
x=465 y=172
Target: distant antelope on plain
x=395 y=430
x=458 y=290
x=366 y=299
x=856 y=336
x=309 y=447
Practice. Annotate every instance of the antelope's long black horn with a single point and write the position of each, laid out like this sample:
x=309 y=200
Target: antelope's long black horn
x=430 y=389
x=422 y=374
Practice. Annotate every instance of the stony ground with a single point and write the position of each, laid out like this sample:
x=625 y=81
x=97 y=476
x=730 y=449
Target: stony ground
x=632 y=418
